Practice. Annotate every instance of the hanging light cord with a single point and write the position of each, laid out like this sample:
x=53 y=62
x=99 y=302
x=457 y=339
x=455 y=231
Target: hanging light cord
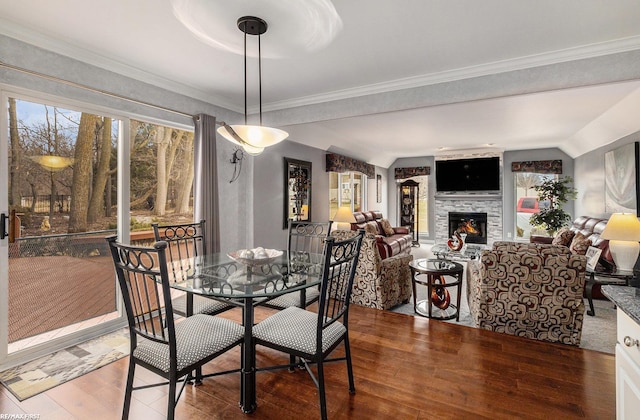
x=260 y=78
x=245 y=75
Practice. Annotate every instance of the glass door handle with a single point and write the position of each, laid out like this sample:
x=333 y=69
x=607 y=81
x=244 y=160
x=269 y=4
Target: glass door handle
x=3 y=226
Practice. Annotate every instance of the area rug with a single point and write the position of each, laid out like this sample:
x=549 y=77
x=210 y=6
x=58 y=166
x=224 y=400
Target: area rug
x=598 y=332
x=42 y=374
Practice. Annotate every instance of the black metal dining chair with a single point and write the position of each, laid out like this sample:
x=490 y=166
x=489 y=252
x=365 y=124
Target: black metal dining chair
x=171 y=350
x=185 y=243
x=313 y=336
x=305 y=241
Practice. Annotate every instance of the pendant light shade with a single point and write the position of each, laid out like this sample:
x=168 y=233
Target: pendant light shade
x=252 y=138
x=256 y=136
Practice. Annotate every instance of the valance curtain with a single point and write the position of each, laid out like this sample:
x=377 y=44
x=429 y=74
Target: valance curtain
x=538 y=166
x=404 y=173
x=339 y=163
x=205 y=189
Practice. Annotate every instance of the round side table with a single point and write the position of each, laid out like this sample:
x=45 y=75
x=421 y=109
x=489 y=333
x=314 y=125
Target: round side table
x=431 y=273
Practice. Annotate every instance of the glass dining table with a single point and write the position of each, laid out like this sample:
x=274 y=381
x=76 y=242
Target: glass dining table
x=247 y=284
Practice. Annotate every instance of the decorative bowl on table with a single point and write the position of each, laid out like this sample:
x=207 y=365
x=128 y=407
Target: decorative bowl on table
x=255 y=257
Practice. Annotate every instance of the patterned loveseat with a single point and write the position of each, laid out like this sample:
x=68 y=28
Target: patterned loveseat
x=378 y=283
x=529 y=290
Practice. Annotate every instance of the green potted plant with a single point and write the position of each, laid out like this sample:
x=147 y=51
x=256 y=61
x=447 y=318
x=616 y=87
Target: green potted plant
x=556 y=192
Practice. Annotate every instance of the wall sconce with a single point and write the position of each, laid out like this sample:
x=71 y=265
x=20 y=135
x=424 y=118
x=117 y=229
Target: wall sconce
x=236 y=161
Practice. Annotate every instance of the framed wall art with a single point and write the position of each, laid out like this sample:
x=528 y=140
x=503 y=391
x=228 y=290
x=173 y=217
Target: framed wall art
x=297 y=191
x=622 y=179
x=378 y=188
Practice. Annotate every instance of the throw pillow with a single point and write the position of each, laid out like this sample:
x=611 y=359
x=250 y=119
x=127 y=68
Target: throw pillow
x=580 y=244
x=563 y=237
x=371 y=227
x=386 y=227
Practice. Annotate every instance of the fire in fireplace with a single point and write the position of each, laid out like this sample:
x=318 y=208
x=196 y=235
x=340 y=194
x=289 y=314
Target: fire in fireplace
x=473 y=224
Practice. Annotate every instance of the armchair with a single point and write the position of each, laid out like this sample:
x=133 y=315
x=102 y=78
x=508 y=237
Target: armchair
x=379 y=283
x=528 y=290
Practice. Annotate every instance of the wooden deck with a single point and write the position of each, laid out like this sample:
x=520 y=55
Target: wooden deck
x=405 y=368
x=46 y=293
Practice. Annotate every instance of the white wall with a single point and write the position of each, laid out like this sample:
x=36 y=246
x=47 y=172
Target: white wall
x=589 y=176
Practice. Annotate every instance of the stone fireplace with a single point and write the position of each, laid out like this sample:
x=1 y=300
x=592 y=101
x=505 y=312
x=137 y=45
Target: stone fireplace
x=472 y=224
x=491 y=205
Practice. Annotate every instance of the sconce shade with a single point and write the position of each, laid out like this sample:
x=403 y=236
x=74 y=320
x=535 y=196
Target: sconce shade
x=623 y=233
x=343 y=218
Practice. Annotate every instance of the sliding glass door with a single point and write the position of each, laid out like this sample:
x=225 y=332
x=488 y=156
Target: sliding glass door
x=60 y=201
x=72 y=174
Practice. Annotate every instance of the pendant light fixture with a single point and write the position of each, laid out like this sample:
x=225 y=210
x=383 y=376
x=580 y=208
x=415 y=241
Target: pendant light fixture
x=252 y=138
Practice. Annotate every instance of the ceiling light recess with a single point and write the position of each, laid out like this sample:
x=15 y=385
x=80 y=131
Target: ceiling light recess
x=252 y=138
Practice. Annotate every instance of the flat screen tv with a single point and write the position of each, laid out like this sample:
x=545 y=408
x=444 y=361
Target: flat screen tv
x=459 y=175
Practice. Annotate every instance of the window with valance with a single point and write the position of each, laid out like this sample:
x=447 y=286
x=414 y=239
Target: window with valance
x=527 y=175
x=347 y=182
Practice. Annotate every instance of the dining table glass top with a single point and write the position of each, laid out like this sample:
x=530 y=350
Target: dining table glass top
x=219 y=275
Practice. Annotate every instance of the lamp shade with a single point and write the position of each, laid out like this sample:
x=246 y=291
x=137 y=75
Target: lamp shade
x=623 y=233
x=622 y=227
x=344 y=215
x=343 y=218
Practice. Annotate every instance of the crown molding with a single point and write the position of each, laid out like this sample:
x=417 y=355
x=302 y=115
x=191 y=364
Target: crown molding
x=469 y=153
x=521 y=63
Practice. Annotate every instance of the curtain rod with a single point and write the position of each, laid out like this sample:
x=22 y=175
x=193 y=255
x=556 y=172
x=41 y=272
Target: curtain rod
x=91 y=89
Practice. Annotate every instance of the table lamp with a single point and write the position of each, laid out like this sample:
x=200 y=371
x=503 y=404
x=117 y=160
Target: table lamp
x=343 y=218
x=623 y=233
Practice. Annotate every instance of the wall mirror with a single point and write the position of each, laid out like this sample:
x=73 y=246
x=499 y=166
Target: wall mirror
x=297 y=190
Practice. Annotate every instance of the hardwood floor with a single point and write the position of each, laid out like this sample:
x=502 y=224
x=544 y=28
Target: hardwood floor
x=405 y=368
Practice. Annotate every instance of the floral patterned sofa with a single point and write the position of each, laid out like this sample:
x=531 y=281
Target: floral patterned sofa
x=529 y=290
x=378 y=283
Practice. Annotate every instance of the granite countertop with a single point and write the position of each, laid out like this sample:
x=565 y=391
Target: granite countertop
x=626 y=298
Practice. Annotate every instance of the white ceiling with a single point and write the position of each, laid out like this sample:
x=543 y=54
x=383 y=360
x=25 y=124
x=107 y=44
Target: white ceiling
x=378 y=46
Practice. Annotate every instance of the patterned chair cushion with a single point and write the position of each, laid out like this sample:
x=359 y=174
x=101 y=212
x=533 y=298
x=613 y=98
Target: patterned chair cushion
x=293 y=299
x=563 y=237
x=201 y=305
x=296 y=329
x=580 y=244
x=386 y=227
x=535 y=293
x=197 y=337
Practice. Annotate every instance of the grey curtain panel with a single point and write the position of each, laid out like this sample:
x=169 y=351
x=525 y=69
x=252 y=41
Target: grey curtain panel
x=205 y=192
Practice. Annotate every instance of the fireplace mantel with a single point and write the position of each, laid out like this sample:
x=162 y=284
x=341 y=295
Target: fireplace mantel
x=467 y=196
